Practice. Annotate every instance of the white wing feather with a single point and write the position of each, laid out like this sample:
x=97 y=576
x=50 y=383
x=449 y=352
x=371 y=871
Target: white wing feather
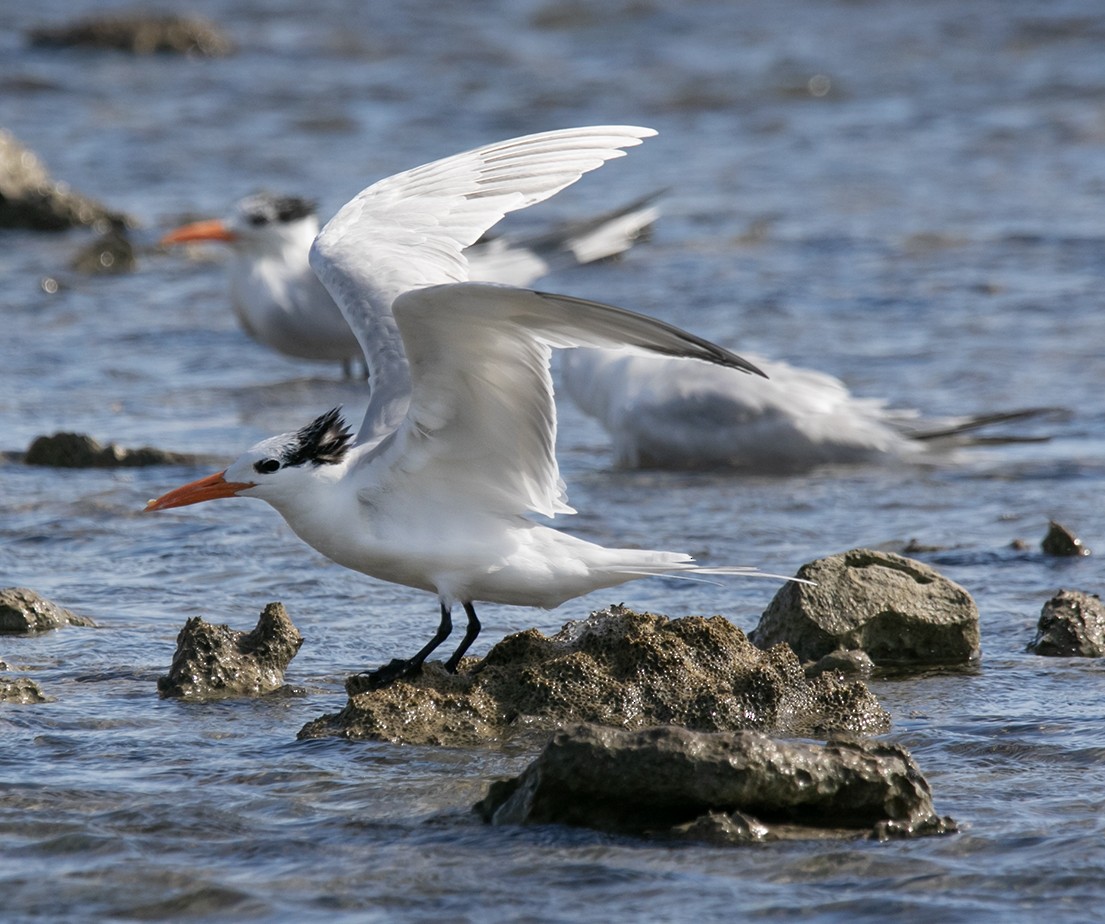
x=481 y=424
x=410 y=230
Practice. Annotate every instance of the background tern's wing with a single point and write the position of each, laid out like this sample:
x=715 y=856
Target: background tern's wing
x=481 y=423
x=411 y=229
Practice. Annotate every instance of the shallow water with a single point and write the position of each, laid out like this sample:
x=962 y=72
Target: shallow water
x=928 y=228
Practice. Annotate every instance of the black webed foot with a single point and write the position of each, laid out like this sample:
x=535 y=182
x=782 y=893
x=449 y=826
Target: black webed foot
x=382 y=676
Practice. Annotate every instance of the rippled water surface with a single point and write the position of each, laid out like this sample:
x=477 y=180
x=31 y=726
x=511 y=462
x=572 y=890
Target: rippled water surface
x=907 y=195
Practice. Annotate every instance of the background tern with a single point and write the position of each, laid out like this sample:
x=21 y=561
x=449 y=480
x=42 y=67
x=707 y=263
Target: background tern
x=280 y=302
x=659 y=412
x=457 y=443
x=663 y=413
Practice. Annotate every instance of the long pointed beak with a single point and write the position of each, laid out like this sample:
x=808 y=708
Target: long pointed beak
x=213 y=230
x=195 y=492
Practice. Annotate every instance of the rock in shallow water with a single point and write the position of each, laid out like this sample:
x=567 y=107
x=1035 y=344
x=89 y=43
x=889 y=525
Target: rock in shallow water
x=31 y=199
x=137 y=32
x=213 y=662
x=78 y=450
x=22 y=691
x=1062 y=541
x=1072 y=624
x=620 y=668
x=24 y=612
x=722 y=787
x=898 y=610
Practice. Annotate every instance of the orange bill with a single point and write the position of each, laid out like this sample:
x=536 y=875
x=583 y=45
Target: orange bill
x=210 y=488
x=213 y=230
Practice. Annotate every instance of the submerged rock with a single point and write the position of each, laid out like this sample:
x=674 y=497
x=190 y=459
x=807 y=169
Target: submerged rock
x=1072 y=624
x=22 y=691
x=853 y=663
x=31 y=199
x=24 y=612
x=78 y=450
x=111 y=253
x=212 y=662
x=1061 y=541
x=138 y=32
x=617 y=667
x=898 y=610
x=722 y=787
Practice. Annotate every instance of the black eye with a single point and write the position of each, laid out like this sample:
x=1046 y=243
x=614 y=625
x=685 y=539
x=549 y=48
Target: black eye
x=266 y=466
x=257 y=220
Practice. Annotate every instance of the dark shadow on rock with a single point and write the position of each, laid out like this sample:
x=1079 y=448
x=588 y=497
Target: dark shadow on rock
x=899 y=611
x=23 y=612
x=619 y=668
x=137 y=32
x=1072 y=624
x=215 y=661
x=21 y=691
x=31 y=199
x=721 y=787
x=78 y=450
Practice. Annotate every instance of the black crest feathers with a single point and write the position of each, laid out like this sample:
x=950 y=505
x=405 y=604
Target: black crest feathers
x=323 y=441
x=265 y=208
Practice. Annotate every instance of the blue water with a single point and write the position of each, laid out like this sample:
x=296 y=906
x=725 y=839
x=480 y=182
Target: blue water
x=909 y=196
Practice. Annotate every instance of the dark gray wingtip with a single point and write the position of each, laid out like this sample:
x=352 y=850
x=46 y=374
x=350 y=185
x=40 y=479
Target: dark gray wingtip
x=739 y=362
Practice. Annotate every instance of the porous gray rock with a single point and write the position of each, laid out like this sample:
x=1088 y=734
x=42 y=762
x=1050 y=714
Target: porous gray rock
x=21 y=691
x=30 y=198
x=137 y=32
x=898 y=610
x=722 y=787
x=617 y=667
x=1072 y=624
x=24 y=612
x=79 y=450
x=215 y=661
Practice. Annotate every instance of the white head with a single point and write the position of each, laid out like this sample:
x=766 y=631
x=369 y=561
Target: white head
x=279 y=470
x=260 y=224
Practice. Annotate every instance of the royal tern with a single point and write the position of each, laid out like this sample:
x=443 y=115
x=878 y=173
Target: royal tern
x=662 y=413
x=280 y=302
x=457 y=445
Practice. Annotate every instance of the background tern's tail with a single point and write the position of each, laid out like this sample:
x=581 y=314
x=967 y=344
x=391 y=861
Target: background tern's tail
x=964 y=431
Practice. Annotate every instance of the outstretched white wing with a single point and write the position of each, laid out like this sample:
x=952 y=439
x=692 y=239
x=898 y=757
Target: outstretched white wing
x=482 y=423
x=411 y=229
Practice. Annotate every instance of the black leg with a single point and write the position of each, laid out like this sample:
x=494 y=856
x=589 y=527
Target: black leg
x=406 y=667
x=469 y=637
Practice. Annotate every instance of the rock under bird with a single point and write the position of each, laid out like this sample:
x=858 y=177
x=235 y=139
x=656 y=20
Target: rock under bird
x=280 y=302
x=456 y=448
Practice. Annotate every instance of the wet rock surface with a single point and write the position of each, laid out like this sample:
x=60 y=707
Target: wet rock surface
x=21 y=691
x=1061 y=541
x=619 y=668
x=215 y=661
x=137 y=32
x=78 y=450
x=721 y=787
x=24 y=612
x=900 y=611
x=1072 y=624
x=30 y=198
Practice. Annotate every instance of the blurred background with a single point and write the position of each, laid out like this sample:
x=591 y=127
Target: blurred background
x=905 y=195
